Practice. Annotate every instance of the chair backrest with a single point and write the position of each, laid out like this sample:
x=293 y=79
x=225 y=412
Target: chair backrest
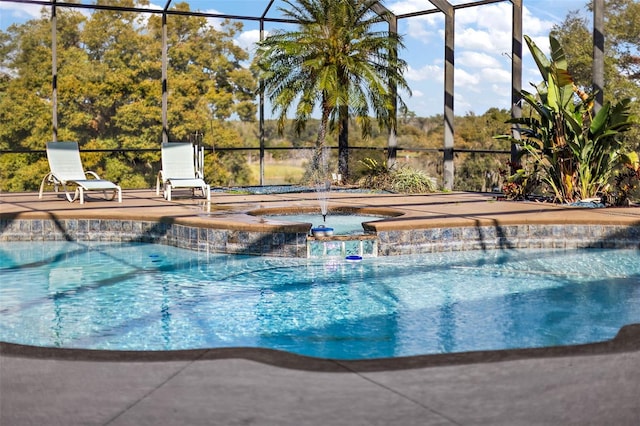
x=178 y=160
x=64 y=161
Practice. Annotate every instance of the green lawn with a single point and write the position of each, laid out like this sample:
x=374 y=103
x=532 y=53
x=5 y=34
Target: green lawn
x=277 y=174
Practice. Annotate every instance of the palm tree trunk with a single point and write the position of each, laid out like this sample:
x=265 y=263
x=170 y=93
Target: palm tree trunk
x=343 y=143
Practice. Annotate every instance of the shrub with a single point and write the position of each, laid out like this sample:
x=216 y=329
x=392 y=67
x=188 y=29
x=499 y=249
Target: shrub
x=405 y=179
x=411 y=181
x=522 y=183
x=376 y=175
x=626 y=182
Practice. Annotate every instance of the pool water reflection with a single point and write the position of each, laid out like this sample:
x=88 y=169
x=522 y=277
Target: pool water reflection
x=153 y=297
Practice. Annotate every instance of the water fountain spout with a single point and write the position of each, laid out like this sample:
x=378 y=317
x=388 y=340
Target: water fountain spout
x=320 y=179
x=322 y=192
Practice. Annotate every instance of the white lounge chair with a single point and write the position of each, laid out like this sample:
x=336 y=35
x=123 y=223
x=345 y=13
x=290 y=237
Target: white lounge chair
x=67 y=171
x=179 y=170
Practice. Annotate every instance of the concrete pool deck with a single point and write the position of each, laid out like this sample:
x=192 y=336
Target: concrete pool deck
x=229 y=209
x=587 y=384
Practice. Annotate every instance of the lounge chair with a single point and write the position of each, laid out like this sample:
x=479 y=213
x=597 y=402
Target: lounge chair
x=179 y=170
x=67 y=171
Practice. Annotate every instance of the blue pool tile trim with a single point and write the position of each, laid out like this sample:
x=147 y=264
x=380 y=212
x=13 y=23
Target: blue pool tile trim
x=283 y=244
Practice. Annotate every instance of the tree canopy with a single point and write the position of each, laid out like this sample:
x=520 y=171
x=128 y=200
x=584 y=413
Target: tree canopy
x=622 y=53
x=337 y=60
x=109 y=85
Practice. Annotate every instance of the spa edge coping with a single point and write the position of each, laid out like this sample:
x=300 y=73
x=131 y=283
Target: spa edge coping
x=396 y=220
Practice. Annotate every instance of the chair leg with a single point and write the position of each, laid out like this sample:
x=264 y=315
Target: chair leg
x=167 y=191
x=42 y=185
x=111 y=194
x=158 y=180
x=71 y=198
x=81 y=189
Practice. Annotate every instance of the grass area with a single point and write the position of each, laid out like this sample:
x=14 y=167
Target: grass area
x=278 y=174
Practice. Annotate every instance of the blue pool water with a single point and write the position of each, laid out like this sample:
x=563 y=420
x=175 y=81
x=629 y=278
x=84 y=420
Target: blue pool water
x=342 y=224
x=153 y=297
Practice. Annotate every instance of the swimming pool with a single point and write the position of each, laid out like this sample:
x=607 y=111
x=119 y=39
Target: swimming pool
x=155 y=297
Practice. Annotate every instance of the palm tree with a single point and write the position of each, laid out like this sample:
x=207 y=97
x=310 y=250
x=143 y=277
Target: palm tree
x=336 y=60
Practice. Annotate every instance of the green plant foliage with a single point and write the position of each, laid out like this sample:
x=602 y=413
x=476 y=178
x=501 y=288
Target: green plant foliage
x=109 y=88
x=626 y=182
x=336 y=60
x=375 y=175
x=621 y=49
x=575 y=149
x=408 y=180
x=521 y=184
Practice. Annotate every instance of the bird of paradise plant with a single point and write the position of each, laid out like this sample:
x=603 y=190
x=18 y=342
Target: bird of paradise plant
x=576 y=148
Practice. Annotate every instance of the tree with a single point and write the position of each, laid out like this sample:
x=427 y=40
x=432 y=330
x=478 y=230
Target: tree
x=622 y=54
x=205 y=78
x=336 y=60
x=25 y=102
x=110 y=89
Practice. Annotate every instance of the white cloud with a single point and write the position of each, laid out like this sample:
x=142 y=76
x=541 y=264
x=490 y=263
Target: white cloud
x=476 y=60
x=493 y=17
x=215 y=23
x=248 y=39
x=18 y=12
x=540 y=15
x=425 y=73
x=461 y=104
x=499 y=89
x=465 y=80
x=409 y=6
x=533 y=25
x=421 y=28
x=495 y=75
x=417 y=29
x=152 y=6
x=484 y=41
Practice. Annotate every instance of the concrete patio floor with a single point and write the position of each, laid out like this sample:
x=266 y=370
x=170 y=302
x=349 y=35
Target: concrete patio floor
x=596 y=384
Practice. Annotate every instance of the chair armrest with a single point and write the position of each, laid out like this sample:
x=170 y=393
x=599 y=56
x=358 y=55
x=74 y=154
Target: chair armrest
x=94 y=174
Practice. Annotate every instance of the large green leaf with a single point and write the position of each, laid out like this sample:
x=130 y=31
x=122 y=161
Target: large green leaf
x=539 y=57
x=600 y=120
x=557 y=54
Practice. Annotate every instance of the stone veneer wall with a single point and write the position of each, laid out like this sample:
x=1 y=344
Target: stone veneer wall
x=508 y=237
x=189 y=237
x=283 y=244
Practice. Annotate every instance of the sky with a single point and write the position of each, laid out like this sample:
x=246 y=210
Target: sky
x=482 y=77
